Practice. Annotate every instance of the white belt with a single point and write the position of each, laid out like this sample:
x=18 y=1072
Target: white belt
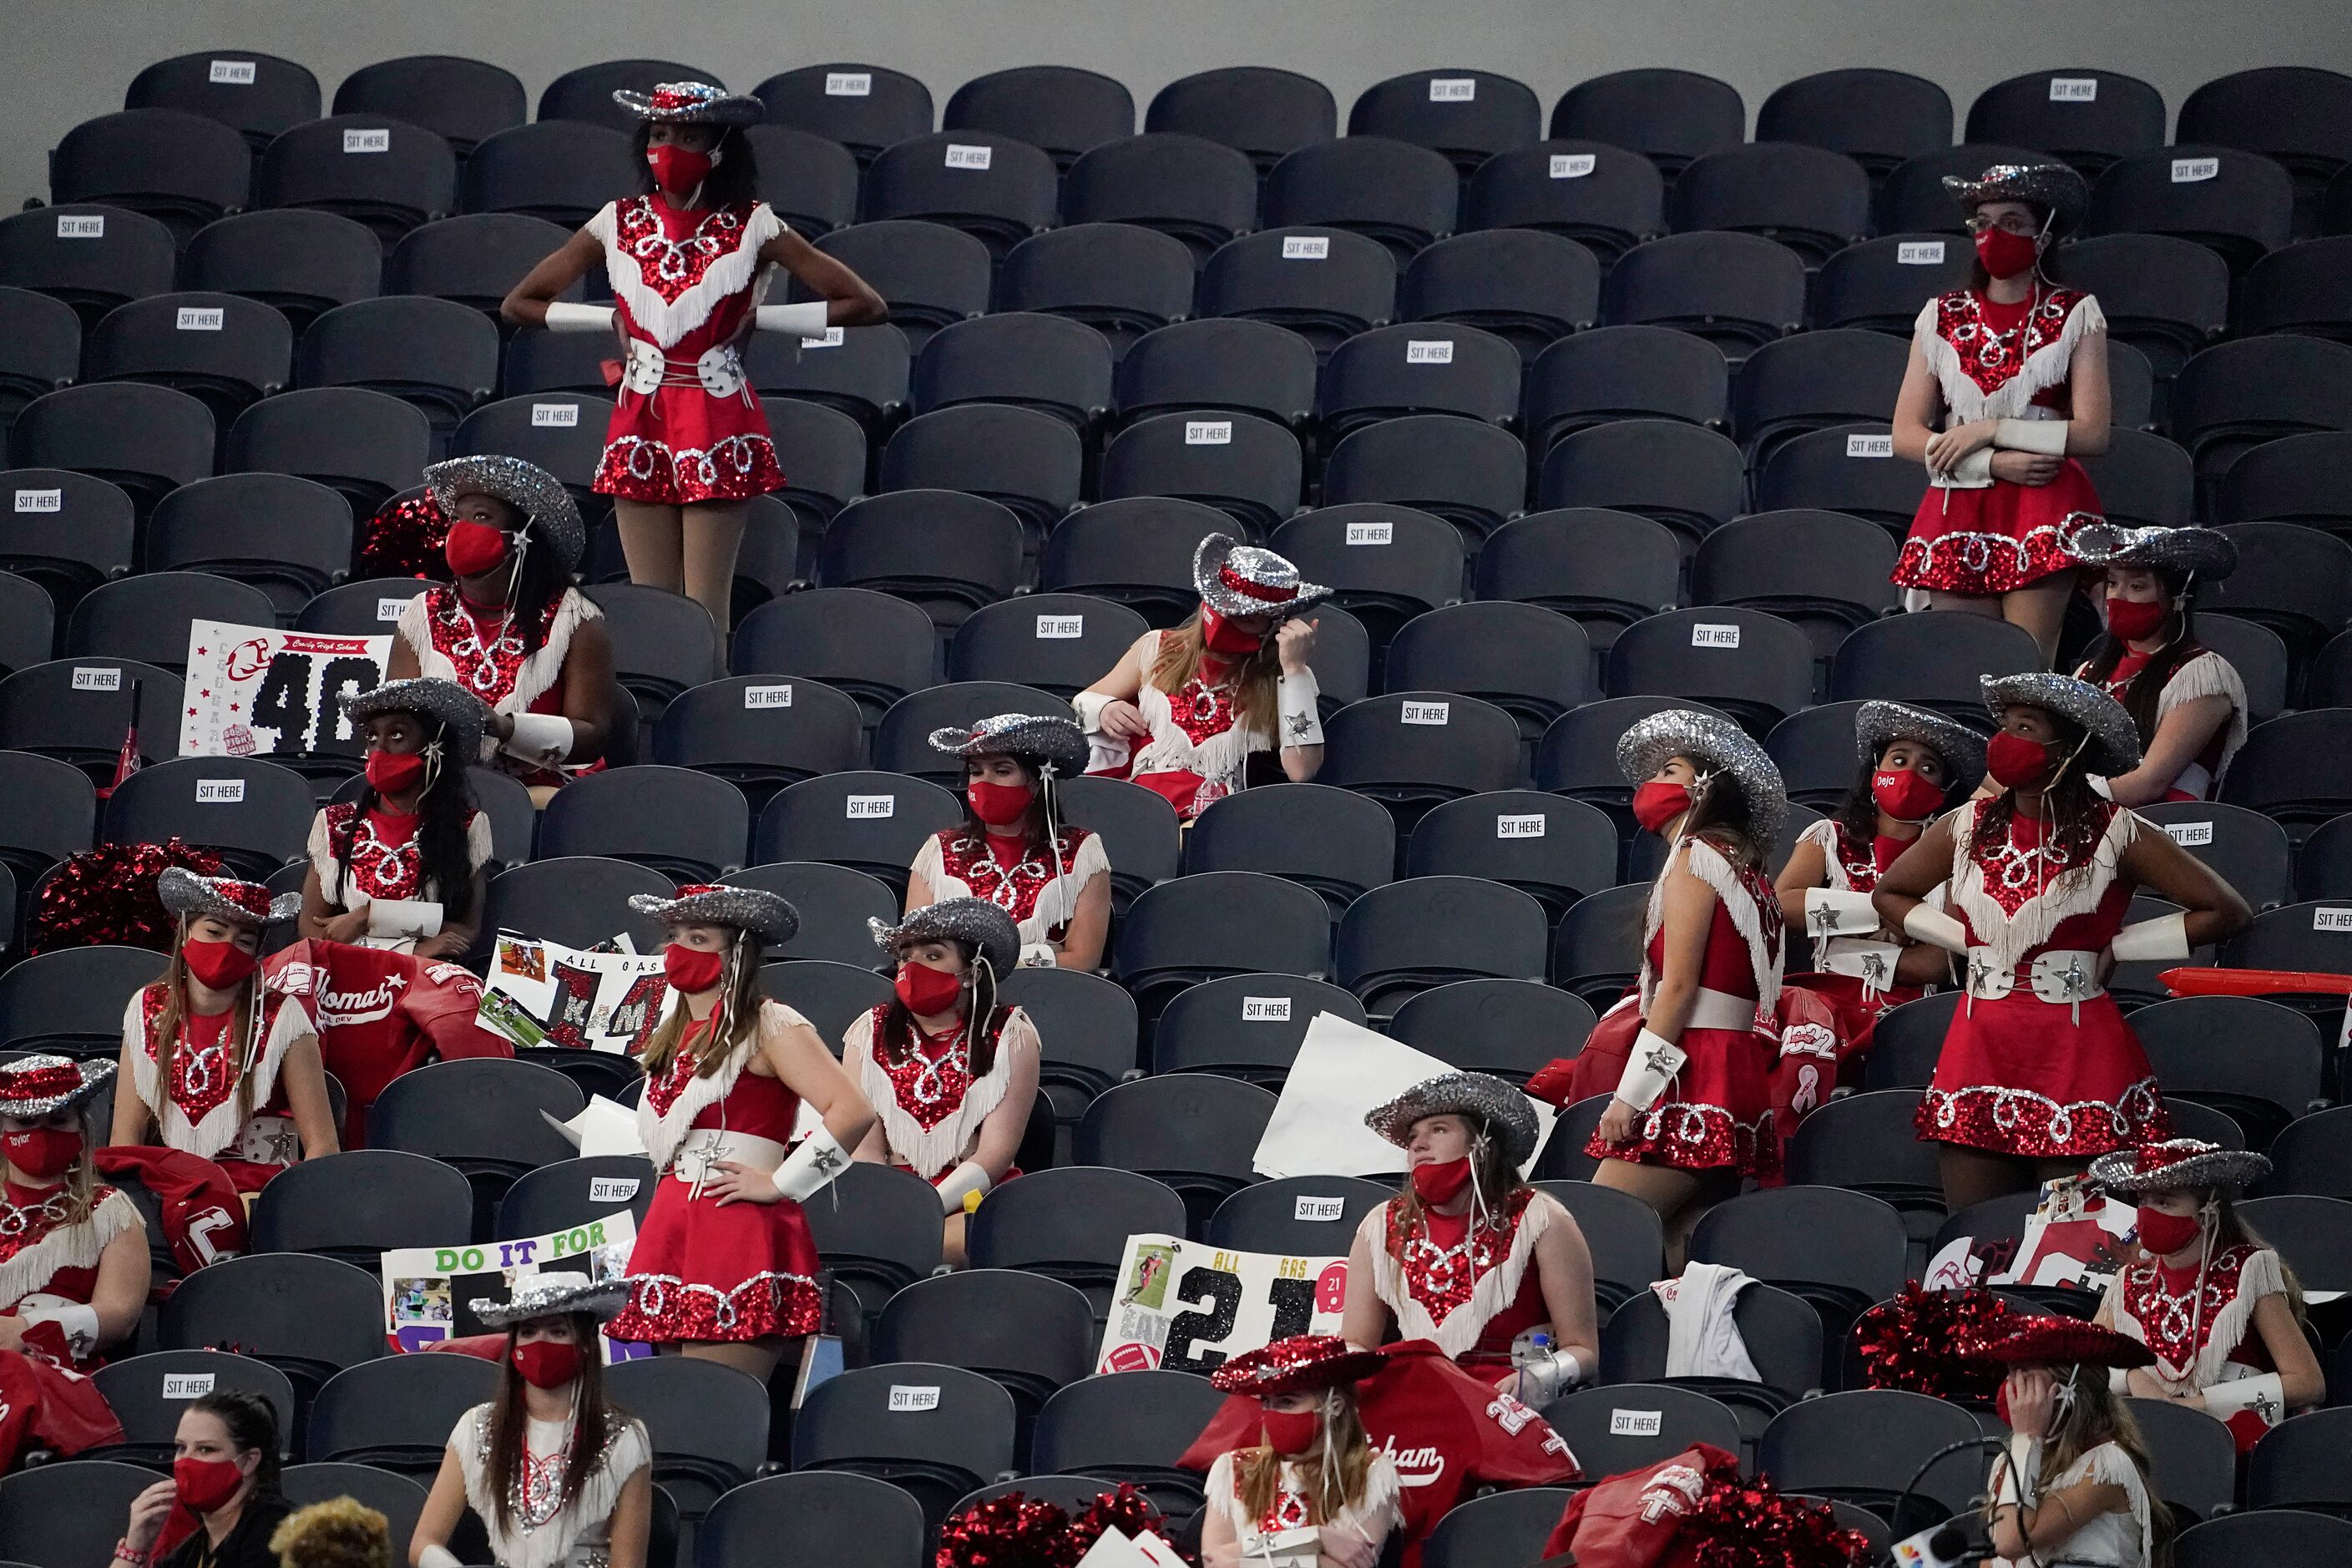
x=704 y=1145
x=1721 y=1010
x=718 y=370
x=2061 y=976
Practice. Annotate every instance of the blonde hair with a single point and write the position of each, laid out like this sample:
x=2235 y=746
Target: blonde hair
x=1178 y=660
x=738 y=1011
x=1332 y=1488
x=341 y=1533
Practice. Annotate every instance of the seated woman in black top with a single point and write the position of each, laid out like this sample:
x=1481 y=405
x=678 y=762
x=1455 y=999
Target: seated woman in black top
x=222 y=1504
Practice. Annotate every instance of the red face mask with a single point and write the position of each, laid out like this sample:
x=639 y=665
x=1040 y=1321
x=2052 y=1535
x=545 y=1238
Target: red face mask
x=1657 y=803
x=2165 y=1234
x=474 y=549
x=692 y=970
x=547 y=1364
x=219 y=965
x=678 y=170
x=1905 y=794
x=2132 y=619
x=999 y=805
x=1219 y=635
x=2015 y=761
x=927 y=992
x=1290 y=1433
x=2005 y=254
x=205 y=1484
x=396 y=773
x=43 y=1152
x=1441 y=1181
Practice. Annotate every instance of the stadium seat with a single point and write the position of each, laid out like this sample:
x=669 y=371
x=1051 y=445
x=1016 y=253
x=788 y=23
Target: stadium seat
x=562 y=1195
x=864 y=108
x=1128 y=1426
x=1029 y=1333
x=1906 y=1042
x=1168 y=939
x=2238 y=395
x=1138 y=827
x=1877 y=117
x=1823 y=571
x=1408 y=937
x=302 y=261
x=2142 y=480
x=1880 y=284
x=27 y=622
x=437 y=355
x=1532 y=662
x=2293 y=114
x=2245 y=208
x=1867 y=1143
x=1503 y=1527
x=79 y=711
x=823 y=454
x=707 y=1422
x=994 y=187
x=1684 y=476
x=2312 y=1234
x=563 y=433
x=878 y=1228
x=1033 y=363
x=873 y=647
x=1511 y=1028
x=53 y=813
x=807 y=180
x=62 y=1515
x=1394 y=192
x=2296 y=478
x=2193 y=1464
x=1296 y=1217
x=489 y=1119
x=1578 y=755
x=1326 y=285
x=1469 y=472
x=1019 y=457
x=224 y=350
x=1625 y=372
x=1910 y=195
x=684 y=823
x=461 y=100
x=256 y=830
x=2266 y=1535
x=883 y=819
x=852 y=1422
x=309 y=1317
x=835 y=904
x=1060 y=108
x=255 y=95
x=902 y=744
x=579 y=902
x=1197 y=191
x=1069 y=1224
x=1783 y=1332
x=1760 y=670
x=2290 y=578
x=1623 y=1235
x=400 y=1499
x=761 y=734
x=1339 y=843
x=92 y=257
x=1604 y=569
x=1087 y=1025
x=72 y=998
x=558 y=169
x=2086 y=118
x=663 y=643
x=1600 y=196
x=2167 y=295
x=929 y=274
x=1122 y=279
x=1811 y=382
x=395 y=1412
x=1840 y=1250
x=1813 y=202
x=183 y=170
x=2322 y=865
x=134 y=1390
x=814 y=1519
x=2300 y=289
x=947 y=553
x=1670 y=117
x=365 y=445
x=289 y=537
x=1592 y=1423
x=1527 y=288
x=474 y=259
x=1195 y=1131
x=1259 y=112
x=1932 y=658
x=1845 y=468
x=1865 y=1447
x=2299 y=1463
x=1467 y=116
x=1388 y=564
x=2247 y=850
x=1247 y=467
x=380 y=172
x=1384 y=747
x=1419 y=368
x=1738 y=292
x=864 y=375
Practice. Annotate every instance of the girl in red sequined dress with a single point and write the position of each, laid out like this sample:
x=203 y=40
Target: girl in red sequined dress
x=2186 y=701
x=1467 y=1254
x=1313 y=1488
x=221 y=1064
x=953 y=1096
x=690 y=260
x=1186 y=710
x=724 y=1267
x=73 y=1261
x=2040 y=1072
x=2007 y=386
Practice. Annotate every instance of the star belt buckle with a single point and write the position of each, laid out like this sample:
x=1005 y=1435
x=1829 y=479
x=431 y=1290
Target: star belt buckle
x=1980 y=971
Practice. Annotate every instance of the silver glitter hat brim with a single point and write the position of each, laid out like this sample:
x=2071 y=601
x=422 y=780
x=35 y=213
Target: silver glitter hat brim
x=1034 y=738
x=94 y=1077
x=457 y=710
x=2056 y=186
x=1877 y=725
x=538 y=495
x=548 y=1295
x=727 y=108
x=2114 y=742
x=1716 y=745
x=2207 y=551
x=1210 y=556
x=1502 y=1110
x=2201 y=1166
x=187 y=895
x=766 y=915
x=976 y=922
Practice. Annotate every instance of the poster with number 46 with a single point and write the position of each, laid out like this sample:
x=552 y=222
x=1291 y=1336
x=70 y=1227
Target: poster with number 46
x=256 y=691
x=1185 y=1307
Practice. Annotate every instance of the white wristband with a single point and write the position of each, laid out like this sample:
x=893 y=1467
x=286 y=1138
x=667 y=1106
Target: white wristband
x=2264 y=1394
x=1545 y=1379
x=1089 y=706
x=805 y=320
x=972 y=1176
x=1302 y=721
x=1038 y=955
x=540 y=738
x=2167 y=936
x=2047 y=436
x=1839 y=911
x=1973 y=472
x=818 y=1159
x=2099 y=785
x=1936 y=928
x=78 y=1323
x=565 y=318
x=2119 y=1381
x=1649 y=1069
x=438 y=1557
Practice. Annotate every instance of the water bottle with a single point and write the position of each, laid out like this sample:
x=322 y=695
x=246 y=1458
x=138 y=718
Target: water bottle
x=1526 y=1352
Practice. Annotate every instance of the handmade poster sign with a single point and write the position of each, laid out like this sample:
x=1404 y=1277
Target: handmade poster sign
x=429 y=1291
x=1184 y=1307
x=545 y=994
x=256 y=691
x=1342 y=1071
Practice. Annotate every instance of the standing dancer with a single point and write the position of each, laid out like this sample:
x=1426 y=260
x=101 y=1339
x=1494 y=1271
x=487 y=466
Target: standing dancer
x=689 y=259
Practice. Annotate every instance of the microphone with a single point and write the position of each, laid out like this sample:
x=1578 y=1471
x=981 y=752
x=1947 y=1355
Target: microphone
x=1964 y=1537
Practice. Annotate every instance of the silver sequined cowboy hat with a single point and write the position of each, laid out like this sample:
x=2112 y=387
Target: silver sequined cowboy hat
x=1500 y=1109
x=548 y=1294
x=2178 y=1165
x=1041 y=740
x=39 y=1085
x=1877 y=725
x=187 y=895
x=548 y=508
x=2052 y=185
x=1237 y=579
x=691 y=103
x=976 y=922
x=458 y=711
x=2207 y=553
x=766 y=915
x=1717 y=745
x=2115 y=741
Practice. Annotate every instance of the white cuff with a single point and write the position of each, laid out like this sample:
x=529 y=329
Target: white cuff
x=1936 y=928
x=1839 y=911
x=438 y=1557
x=564 y=318
x=805 y=320
x=1089 y=706
x=1547 y=1377
x=971 y=1177
x=818 y=1159
x=1038 y=956
x=2164 y=937
x=1302 y=721
x=2047 y=436
x=2264 y=1394
x=79 y=1325
x=542 y=738
x=2099 y=785
x=1973 y=472
x=1649 y=1069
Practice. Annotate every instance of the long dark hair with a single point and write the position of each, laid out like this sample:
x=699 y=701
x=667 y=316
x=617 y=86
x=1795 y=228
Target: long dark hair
x=510 y=1422
x=985 y=1018
x=252 y=1423
x=443 y=859
x=538 y=586
x=1858 y=811
x=2145 y=689
x=735 y=182
x=2070 y=807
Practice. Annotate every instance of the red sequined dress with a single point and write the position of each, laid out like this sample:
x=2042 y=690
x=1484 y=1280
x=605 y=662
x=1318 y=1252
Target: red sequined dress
x=2063 y=1078
x=200 y=1111
x=2001 y=362
x=384 y=859
x=49 y=1267
x=1469 y=1282
x=701 y=1272
x=929 y=1104
x=687 y=427
x=2203 y=1335
x=1040 y=892
x=1195 y=751
x=2203 y=673
x=1719 y=1111
x=483 y=652
x=1855 y=973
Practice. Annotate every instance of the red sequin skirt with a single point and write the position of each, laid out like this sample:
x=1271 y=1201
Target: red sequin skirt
x=701 y=1272
x=1717 y=1112
x=679 y=445
x=2003 y=536
x=2019 y=1076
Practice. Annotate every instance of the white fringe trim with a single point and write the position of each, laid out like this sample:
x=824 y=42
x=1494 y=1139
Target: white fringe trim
x=661 y=1134
x=1218 y=759
x=1494 y=1290
x=2074 y=893
x=2046 y=367
x=1057 y=902
x=1377 y=1506
x=667 y=320
x=928 y=1153
x=221 y=1126
x=534 y=677
x=1705 y=861
x=68 y=1246
x=591 y=1509
x=2259 y=1276
x=1822 y=834
x=2109 y=1466
x=2209 y=675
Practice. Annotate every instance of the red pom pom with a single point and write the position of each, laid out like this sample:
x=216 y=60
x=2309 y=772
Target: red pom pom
x=1008 y=1531
x=403 y=539
x=1914 y=1342
x=106 y=896
x=1749 y=1525
x=1126 y=1510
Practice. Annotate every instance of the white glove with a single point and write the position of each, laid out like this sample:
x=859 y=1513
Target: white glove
x=1038 y=956
x=2164 y=937
x=1302 y=721
x=818 y=1159
x=972 y=1176
x=564 y=318
x=1089 y=706
x=802 y=320
x=542 y=738
x=2264 y=1394
x=1838 y=912
x=2047 y=436
x=78 y=1323
x=1936 y=928
x=1649 y=1069
x=438 y=1557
